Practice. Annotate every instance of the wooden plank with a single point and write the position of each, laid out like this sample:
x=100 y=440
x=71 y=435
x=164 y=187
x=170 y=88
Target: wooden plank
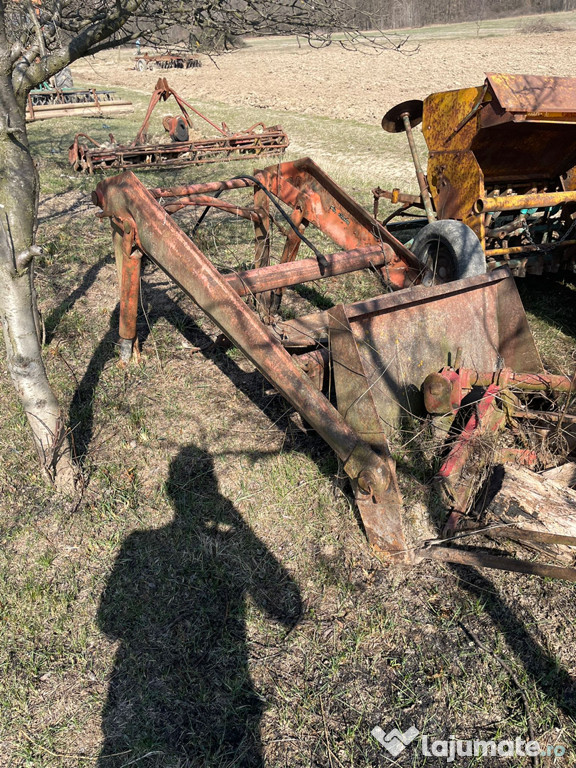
x=521 y=498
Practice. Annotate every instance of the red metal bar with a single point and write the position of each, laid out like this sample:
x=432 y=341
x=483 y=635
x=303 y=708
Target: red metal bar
x=460 y=450
x=527 y=382
x=325 y=205
x=303 y=271
x=205 y=188
x=213 y=202
x=130 y=285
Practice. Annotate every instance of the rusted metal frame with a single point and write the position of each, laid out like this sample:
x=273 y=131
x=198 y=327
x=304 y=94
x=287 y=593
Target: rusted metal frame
x=395 y=196
x=154 y=99
x=161 y=161
x=487 y=560
x=205 y=188
x=443 y=391
x=293 y=241
x=315 y=364
x=326 y=206
x=261 y=229
x=381 y=512
x=77 y=152
x=183 y=104
x=173 y=155
x=95 y=98
x=516 y=202
x=162 y=92
x=166 y=91
x=315 y=325
x=305 y=199
x=262 y=241
x=526 y=382
x=128 y=263
x=161 y=240
x=525 y=534
x=290 y=252
x=212 y=202
x=268 y=278
x=508 y=532
x=169 y=60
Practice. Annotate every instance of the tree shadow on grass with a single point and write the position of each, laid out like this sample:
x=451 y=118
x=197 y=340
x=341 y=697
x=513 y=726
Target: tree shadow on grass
x=551 y=300
x=541 y=667
x=81 y=412
x=181 y=691
x=54 y=317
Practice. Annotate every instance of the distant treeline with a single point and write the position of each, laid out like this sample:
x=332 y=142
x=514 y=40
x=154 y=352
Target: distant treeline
x=392 y=14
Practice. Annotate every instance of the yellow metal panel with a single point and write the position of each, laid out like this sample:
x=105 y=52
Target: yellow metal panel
x=456 y=181
x=443 y=113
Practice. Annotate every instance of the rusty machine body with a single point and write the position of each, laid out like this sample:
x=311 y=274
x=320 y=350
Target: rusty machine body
x=88 y=155
x=502 y=159
x=169 y=60
x=354 y=372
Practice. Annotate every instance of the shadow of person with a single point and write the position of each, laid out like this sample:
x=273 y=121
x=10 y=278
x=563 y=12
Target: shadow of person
x=176 y=600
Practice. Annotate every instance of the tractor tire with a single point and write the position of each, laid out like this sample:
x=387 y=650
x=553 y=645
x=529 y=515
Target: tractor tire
x=63 y=79
x=448 y=250
x=140 y=65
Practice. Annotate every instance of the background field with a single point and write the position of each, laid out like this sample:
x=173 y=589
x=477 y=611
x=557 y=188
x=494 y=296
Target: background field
x=205 y=497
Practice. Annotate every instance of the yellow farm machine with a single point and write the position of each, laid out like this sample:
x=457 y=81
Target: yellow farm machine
x=501 y=160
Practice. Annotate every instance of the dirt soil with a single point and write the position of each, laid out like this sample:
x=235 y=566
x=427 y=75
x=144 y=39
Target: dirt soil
x=337 y=83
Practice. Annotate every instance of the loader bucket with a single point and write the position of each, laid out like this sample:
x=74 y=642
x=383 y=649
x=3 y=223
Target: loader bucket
x=401 y=337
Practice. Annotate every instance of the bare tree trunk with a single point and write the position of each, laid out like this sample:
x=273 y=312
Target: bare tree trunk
x=18 y=314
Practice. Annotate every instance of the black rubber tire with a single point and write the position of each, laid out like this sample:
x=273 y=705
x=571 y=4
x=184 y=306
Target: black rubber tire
x=448 y=250
x=141 y=65
x=63 y=79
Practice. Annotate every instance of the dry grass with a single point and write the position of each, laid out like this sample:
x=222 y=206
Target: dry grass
x=539 y=26
x=211 y=600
